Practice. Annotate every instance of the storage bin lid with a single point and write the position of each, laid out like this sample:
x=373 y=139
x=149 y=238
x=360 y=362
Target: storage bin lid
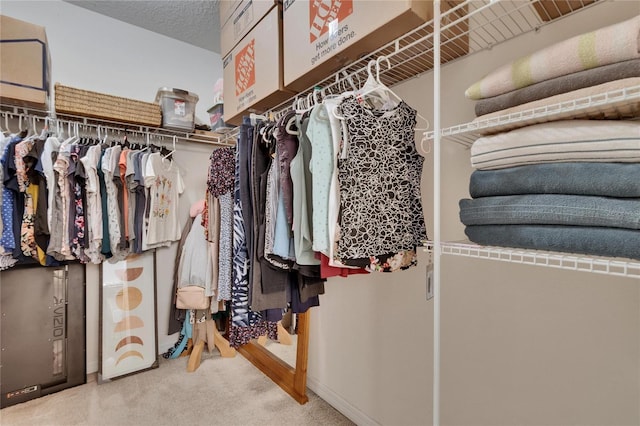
x=216 y=107
x=176 y=93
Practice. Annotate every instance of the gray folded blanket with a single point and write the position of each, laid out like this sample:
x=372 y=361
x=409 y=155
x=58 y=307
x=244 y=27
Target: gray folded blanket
x=552 y=209
x=558 y=85
x=620 y=180
x=594 y=241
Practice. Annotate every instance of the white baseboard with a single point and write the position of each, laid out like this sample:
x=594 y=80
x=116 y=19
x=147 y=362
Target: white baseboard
x=339 y=403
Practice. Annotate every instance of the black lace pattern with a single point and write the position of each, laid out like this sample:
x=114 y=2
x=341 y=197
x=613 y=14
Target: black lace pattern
x=381 y=218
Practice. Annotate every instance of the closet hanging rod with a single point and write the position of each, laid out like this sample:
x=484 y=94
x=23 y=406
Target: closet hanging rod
x=15 y=112
x=467 y=28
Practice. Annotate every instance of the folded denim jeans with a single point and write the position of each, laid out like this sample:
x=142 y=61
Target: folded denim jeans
x=602 y=179
x=552 y=209
x=595 y=241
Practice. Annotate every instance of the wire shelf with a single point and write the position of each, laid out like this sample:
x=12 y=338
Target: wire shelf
x=467 y=27
x=573 y=262
x=613 y=104
x=213 y=138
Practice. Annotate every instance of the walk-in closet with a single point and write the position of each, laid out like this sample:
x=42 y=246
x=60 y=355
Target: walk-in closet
x=384 y=213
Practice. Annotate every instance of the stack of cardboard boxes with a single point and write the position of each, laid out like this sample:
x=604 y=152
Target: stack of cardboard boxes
x=25 y=64
x=251 y=42
x=271 y=52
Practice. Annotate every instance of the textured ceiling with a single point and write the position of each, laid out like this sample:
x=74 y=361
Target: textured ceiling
x=194 y=22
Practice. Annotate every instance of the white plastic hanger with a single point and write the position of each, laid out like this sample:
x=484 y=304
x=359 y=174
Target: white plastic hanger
x=372 y=89
x=6 y=124
x=308 y=103
x=382 y=87
x=106 y=136
x=58 y=130
x=146 y=148
x=45 y=129
x=422 y=142
x=71 y=137
x=288 y=126
x=376 y=87
x=254 y=117
x=173 y=150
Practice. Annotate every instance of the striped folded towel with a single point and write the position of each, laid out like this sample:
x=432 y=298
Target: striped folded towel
x=608 y=45
x=560 y=141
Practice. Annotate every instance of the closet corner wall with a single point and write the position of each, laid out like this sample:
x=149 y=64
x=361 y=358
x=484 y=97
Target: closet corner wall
x=511 y=327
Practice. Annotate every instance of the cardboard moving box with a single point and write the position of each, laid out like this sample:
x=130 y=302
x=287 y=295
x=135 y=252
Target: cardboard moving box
x=322 y=36
x=244 y=18
x=227 y=7
x=253 y=71
x=25 y=63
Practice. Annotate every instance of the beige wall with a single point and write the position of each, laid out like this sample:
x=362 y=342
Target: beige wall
x=520 y=344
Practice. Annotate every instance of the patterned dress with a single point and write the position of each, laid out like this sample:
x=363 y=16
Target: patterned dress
x=220 y=184
x=245 y=324
x=381 y=217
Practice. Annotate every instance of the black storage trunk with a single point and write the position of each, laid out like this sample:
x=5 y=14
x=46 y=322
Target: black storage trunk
x=42 y=332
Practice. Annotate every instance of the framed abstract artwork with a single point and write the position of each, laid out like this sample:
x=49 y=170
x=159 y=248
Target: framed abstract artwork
x=128 y=317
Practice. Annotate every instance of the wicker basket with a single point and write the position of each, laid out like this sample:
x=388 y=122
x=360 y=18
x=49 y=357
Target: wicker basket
x=69 y=100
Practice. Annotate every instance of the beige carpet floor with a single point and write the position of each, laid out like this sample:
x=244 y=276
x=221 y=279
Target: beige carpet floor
x=222 y=391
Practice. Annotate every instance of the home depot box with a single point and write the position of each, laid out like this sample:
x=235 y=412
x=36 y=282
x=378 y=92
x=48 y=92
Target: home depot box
x=25 y=63
x=322 y=36
x=243 y=19
x=227 y=7
x=253 y=70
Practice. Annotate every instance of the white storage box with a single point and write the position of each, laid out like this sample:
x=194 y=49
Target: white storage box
x=253 y=71
x=178 y=108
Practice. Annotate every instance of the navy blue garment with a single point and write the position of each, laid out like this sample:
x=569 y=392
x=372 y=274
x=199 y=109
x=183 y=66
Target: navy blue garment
x=612 y=242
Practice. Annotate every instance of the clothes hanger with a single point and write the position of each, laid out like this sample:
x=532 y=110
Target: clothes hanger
x=289 y=127
x=173 y=150
x=422 y=141
x=6 y=124
x=99 y=135
x=58 y=130
x=254 y=117
x=305 y=104
x=31 y=127
x=290 y=121
x=106 y=136
x=72 y=136
x=378 y=61
x=146 y=148
x=46 y=130
x=372 y=90
x=378 y=87
x=20 y=129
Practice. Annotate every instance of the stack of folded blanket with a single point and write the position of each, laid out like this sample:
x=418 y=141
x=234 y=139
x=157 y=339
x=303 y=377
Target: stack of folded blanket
x=570 y=185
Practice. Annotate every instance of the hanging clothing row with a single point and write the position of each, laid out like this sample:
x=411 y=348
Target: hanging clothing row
x=363 y=172
x=81 y=198
x=328 y=190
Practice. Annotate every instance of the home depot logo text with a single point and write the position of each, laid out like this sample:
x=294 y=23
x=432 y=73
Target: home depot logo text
x=322 y=12
x=245 y=66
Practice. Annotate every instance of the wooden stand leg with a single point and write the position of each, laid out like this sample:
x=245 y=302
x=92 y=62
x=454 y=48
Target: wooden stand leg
x=196 y=357
x=188 y=349
x=222 y=344
x=283 y=335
